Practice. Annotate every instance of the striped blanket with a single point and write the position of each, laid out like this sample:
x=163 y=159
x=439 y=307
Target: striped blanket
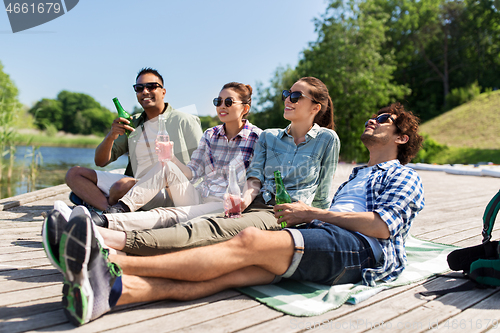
x=298 y=298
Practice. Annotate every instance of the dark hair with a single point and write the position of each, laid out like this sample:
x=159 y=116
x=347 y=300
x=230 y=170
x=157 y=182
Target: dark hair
x=406 y=124
x=319 y=93
x=243 y=90
x=149 y=70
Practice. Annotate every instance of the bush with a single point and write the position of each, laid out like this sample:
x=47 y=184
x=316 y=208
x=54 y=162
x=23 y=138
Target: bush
x=459 y=96
x=429 y=151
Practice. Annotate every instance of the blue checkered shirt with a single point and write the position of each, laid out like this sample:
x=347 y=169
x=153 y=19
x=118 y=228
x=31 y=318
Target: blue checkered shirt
x=395 y=192
x=215 y=152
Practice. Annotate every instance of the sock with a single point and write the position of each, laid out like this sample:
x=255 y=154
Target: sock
x=116 y=292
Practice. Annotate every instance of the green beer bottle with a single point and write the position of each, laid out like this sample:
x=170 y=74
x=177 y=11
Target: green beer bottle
x=123 y=114
x=282 y=195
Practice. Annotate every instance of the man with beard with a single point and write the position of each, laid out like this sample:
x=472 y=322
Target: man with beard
x=360 y=238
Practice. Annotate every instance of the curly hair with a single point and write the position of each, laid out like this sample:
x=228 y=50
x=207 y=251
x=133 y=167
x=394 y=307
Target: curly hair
x=406 y=124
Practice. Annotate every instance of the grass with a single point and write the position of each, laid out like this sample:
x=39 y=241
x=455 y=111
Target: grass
x=456 y=155
x=467 y=134
x=41 y=139
x=475 y=124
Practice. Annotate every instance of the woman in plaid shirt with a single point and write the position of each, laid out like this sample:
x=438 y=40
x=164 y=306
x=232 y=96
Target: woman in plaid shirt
x=198 y=187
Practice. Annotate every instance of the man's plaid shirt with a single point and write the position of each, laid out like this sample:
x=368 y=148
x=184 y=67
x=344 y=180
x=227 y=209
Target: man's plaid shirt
x=395 y=192
x=214 y=153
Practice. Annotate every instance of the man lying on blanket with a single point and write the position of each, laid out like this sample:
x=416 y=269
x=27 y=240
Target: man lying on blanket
x=360 y=238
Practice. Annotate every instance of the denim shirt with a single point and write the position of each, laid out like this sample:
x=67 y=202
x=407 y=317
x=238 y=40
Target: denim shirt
x=307 y=168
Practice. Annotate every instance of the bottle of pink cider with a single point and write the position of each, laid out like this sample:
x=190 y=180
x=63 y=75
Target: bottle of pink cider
x=232 y=197
x=164 y=146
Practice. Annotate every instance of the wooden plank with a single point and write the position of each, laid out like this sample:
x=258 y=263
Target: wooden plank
x=434 y=313
x=30 y=231
x=6 y=227
x=170 y=312
x=235 y=322
x=30 y=246
x=36 y=321
x=18 y=312
x=23 y=264
x=190 y=317
x=483 y=316
x=17 y=274
x=22 y=199
x=433 y=230
x=23 y=296
x=21 y=244
x=31 y=282
x=16 y=257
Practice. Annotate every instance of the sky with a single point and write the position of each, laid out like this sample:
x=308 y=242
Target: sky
x=98 y=48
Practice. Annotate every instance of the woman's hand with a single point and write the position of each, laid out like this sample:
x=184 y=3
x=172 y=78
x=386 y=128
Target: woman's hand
x=294 y=213
x=250 y=192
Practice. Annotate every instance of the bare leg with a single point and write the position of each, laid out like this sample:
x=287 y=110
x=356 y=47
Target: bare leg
x=119 y=189
x=270 y=250
x=140 y=289
x=83 y=182
x=113 y=238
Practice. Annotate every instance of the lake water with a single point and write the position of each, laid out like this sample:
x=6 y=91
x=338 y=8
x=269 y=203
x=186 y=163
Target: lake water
x=55 y=162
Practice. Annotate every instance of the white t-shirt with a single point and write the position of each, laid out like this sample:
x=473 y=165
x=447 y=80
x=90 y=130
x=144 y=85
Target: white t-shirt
x=352 y=198
x=143 y=147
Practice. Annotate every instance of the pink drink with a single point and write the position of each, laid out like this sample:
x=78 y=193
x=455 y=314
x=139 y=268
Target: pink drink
x=165 y=148
x=232 y=205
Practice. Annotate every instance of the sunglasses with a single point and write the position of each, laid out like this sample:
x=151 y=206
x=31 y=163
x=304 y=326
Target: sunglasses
x=383 y=118
x=139 y=87
x=228 y=101
x=294 y=96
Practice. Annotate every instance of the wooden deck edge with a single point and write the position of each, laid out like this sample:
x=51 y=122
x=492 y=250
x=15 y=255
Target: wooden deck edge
x=22 y=199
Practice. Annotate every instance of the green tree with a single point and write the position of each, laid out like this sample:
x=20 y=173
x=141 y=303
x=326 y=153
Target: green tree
x=209 y=122
x=441 y=45
x=9 y=111
x=74 y=113
x=73 y=104
x=268 y=110
x=93 y=121
x=348 y=58
x=48 y=112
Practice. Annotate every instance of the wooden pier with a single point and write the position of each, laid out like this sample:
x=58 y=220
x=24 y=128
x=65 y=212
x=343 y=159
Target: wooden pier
x=30 y=288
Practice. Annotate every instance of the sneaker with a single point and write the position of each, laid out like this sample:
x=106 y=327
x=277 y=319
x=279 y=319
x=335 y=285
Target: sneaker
x=86 y=292
x=118 y=208
x=53 y=228
x=76 y=199
x=63 y=208
x=99 y=219
x=79 y=202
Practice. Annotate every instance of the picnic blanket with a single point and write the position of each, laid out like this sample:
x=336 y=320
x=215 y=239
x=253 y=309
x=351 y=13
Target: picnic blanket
x=299 y=298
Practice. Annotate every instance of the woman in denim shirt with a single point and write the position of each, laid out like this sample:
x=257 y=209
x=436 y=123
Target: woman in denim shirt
x=306 y=152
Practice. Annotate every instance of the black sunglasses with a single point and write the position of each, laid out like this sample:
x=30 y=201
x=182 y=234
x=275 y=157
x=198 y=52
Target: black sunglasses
x=294 y=96
x=228 y=101
x=383 y=118
x=139 y=87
